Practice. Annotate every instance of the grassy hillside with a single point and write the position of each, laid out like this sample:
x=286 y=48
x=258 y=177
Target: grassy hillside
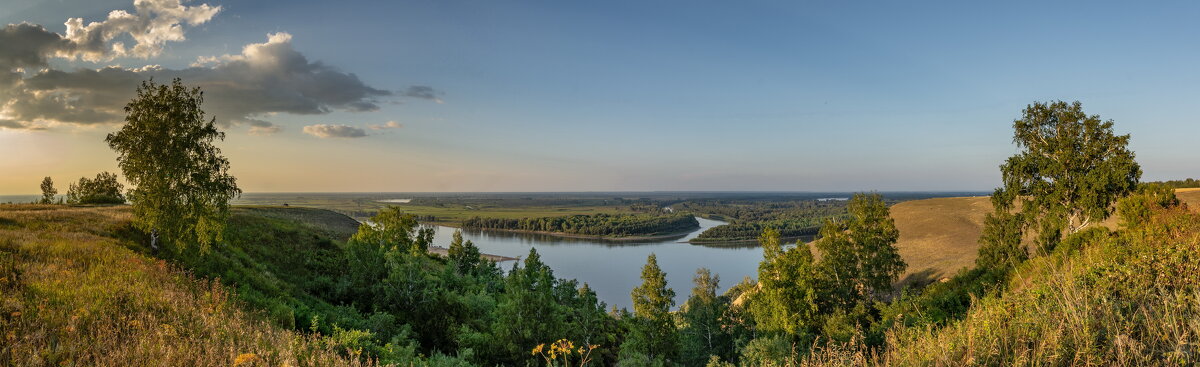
x=1129 y=297
x=73 y=293
x=939 y=236
x=282 y=260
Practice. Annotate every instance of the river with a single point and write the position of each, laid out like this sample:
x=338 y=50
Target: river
x=613 y=268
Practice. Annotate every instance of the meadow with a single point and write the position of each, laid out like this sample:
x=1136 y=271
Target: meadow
x=73 y=293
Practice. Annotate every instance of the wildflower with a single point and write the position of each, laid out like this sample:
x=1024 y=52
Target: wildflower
x=245 y=358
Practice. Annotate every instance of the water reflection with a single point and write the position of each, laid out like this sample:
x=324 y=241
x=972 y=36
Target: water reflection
x=613 y=268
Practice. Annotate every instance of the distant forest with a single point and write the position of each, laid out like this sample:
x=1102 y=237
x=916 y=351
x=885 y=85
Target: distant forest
x=593 y=225
x=1180 y=184
x=748 y=219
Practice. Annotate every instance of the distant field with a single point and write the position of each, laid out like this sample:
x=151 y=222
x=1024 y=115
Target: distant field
x=1189 y=196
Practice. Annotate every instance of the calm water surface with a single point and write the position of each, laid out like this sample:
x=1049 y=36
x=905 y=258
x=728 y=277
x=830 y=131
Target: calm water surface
x=613 y=269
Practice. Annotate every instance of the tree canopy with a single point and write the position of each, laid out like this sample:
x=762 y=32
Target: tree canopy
x=859 y=253
x=181 y=182
x=48 y=191
x=652 y=333
x=1070 y=170
x=104 y=189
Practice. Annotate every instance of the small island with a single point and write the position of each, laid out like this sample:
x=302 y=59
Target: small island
x=617 y=227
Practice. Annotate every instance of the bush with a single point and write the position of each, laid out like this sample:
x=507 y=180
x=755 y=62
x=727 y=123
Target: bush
x=104 y=189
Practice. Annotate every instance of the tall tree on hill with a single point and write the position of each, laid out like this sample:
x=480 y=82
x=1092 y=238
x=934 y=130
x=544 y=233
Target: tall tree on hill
x=1070 y=171
x=527 y=314
x=652 y=335
x=48 y=191
x=182 y=184
x=787 y=299
x=703 y=333
x=859 y=254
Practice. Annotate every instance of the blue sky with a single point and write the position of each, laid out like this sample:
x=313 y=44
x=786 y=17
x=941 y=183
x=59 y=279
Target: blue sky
x=670 y=95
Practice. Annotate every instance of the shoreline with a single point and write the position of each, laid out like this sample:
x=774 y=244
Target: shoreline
x=576 y=236
x=734 y=242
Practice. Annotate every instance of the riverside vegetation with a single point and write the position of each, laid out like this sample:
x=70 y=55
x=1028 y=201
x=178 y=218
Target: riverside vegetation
x=189 y=280
x=605 y=225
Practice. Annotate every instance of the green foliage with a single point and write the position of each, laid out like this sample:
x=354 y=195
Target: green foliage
x=939 y=303
x=391 y=229
x=104 y=189
x=769 y=351
x=1098 y=295
x=182 y=184
x=1179 y=184
x=652 y=330
x=1136 y=210
x=749 y=218
x=616 y=225
x=859 y=254
x=703 y=317
x=1070 y=171
x=467 y=260
x=76 y=294
x=1000 y=245
x=48 y=191
x=787 y=301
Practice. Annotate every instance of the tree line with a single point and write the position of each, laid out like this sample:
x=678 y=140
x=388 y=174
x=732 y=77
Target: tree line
x=592 y=225
x=748 y=218
x=1180 y=184
x=103 y=189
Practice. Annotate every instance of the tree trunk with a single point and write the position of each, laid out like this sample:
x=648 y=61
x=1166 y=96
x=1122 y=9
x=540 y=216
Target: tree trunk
x=154 y=241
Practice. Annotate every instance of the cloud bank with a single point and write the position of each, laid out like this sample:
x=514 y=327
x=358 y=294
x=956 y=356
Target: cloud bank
x=264 y=79
x=334 y=131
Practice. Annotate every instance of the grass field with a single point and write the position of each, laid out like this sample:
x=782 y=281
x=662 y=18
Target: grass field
x=72 y=293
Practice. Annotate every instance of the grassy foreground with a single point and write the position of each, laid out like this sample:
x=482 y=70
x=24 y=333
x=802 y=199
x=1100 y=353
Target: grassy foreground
x=1129 y=297
x=72 y=293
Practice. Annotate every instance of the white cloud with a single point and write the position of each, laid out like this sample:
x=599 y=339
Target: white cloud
x=152 y=24
x=334 y=131
x=264 y=130
x=387 y=125
x=241 y=89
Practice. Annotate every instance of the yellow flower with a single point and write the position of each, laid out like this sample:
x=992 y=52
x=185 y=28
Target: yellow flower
x=245 y=358
x=537 y=349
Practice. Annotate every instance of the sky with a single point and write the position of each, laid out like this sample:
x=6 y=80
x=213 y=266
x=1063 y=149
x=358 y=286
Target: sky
x=408 y=96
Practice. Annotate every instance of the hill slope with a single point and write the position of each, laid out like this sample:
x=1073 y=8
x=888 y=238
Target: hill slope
x=73 y=293
x=939 y=236
x=1124 y=298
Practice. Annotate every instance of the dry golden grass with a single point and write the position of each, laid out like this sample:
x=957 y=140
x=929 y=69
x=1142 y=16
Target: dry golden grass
x=1191 y=197
x=72 y=295
x=939 y=236
x=1126 y=299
